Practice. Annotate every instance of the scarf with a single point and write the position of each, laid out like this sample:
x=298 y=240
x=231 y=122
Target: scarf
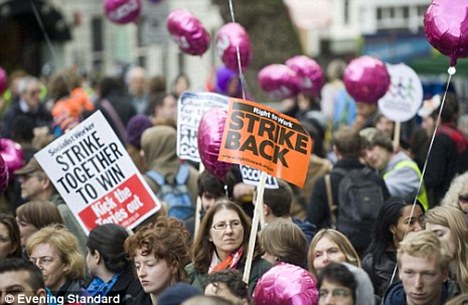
x=229 y=262
x=99 y=287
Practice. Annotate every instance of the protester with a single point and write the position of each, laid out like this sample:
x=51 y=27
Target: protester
x=181 y=84
x=158 y=144
x=135 y=128
x=222 y=243
x=277 y=203
x=284 y=242
x=10 y=240
x=137 y=88
x=328 y=246
x=229 y=285
x=396 y=218
x=159 y=252
x=324 y=208
x=55 y=251
x=22 y=279
x=29 y=104
x=207 y=300
x=446 y=158
x=210 y=190
x=450 y=226
x=108 y=264
x=163 y=108
x=457 y=194
x=401 y=174
x=35 y=215
x=115 y=104
x=423 y=266
x=337 y=285
x=37 y=186
x=178 y=293
x=334 y=85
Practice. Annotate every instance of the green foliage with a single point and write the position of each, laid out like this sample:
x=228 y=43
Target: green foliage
x=272 y=35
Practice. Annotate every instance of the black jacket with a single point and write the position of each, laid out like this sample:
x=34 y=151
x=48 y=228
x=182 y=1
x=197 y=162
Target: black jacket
x=381 y=272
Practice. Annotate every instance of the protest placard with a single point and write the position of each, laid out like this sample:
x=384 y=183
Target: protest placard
x=96 y=177
x=251 y=176
x=263 y=138
x=190 y=110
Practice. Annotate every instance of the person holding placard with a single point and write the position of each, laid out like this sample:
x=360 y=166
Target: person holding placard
x=222 y=243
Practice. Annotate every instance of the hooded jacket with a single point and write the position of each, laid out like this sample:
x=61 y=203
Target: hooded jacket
x=159 y=146
x=396 y=294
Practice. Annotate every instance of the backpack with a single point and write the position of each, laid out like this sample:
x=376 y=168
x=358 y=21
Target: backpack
x=360 y=198
x=177 y=197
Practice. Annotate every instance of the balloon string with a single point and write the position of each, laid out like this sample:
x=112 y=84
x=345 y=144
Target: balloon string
x=49 y=43
x=239 y=63
x=451 y=72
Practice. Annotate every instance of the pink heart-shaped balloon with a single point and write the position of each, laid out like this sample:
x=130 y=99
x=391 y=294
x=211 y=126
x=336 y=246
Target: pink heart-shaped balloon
x=446 y=28
x=279 y=81
x=310 y=73
x=122 y=11
x=230 y=37
x=366 y=79
x=188 y=32
x=210 y=136
x=3 y=81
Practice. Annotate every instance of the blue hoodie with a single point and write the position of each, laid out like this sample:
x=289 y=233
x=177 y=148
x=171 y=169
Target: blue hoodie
x=307 y=228
x=396 y=294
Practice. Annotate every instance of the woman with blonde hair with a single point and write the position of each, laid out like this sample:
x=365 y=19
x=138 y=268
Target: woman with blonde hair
x=457 y=194
x=55 y=251
x=450 y=226
x=330 y=245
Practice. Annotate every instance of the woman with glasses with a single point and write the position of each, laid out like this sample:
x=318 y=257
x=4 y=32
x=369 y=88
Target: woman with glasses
x=55 y=251
x=337 y=285
x=222 y=243
x=457 y=194
x=450 y=226
x=396 y=218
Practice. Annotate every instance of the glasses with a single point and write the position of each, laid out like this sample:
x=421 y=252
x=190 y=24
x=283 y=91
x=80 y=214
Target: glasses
x=463 y=198
x=233 y=224
x=336 y=293
x=43 y=261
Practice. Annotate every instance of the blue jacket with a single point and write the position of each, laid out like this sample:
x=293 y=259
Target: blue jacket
x=396 y=294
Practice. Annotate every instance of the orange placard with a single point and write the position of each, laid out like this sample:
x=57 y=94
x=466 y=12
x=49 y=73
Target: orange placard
x=263 y=138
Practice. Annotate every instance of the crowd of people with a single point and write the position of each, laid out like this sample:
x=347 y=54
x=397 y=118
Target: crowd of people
x=367 y=228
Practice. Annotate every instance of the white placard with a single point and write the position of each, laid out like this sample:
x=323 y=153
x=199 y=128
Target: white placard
x=404 y=97
x=96 y=177
x=190 y=110
x=251 y=176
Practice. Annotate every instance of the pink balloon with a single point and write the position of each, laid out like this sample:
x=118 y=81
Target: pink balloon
x=230 y=37
x=310 y=73
x=122 y=11
x=188 y=32
x=286 y=284
x=4 y=176
x=12 y=155
x=366 y=79
x=210 y=136
x=446 y=28
x=279 y=81
x=3 y=81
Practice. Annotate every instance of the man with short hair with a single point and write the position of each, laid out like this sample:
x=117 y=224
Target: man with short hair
x=401 y=174
x=423 y=267
x=21 y=281
x=36 y=185
x=277 y=204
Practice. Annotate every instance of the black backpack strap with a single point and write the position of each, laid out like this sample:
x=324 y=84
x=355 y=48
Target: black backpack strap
x=331 y=204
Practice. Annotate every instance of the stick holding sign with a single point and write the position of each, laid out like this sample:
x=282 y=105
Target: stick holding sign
x=199 y=205
x=258 y=136
x=253 y=232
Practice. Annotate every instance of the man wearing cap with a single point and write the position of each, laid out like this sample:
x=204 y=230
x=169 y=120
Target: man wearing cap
x=401 y=174
x=36 y=185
